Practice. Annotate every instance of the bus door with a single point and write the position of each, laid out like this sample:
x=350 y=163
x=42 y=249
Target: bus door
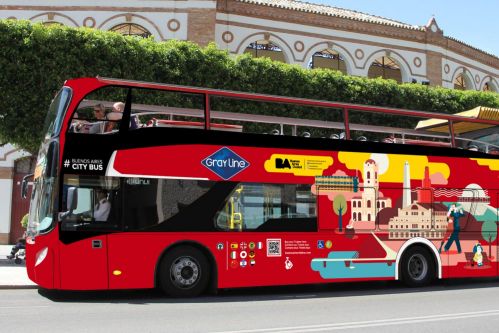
x=89 y=205
x=84 y=264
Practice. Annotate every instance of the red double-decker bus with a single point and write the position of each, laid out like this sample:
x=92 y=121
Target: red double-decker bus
x=142 y=185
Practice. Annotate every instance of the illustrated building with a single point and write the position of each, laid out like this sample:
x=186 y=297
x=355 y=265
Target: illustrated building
x=420 y=218
x=364 y=207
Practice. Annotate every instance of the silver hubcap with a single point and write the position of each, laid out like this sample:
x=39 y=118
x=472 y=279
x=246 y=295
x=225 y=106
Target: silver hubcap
x=185 y=272
x=418 y=267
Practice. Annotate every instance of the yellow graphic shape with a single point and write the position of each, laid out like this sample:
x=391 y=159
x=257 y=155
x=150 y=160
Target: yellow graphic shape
x=299 y=165
x=492 y=164
x=395 y=171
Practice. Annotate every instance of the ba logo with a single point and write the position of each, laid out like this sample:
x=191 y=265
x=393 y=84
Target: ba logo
x=282 y=163
x=225 y=163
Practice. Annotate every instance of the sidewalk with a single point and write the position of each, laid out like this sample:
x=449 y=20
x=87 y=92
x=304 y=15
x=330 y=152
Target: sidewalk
x=12 y=275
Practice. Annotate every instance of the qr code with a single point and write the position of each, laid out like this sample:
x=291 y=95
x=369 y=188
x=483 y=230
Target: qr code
x=273 y=247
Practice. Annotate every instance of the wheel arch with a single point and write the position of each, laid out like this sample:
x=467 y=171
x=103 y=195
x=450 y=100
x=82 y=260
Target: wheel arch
x=418 y=241
x=213 y=283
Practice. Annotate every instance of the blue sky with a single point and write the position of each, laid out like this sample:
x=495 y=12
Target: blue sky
x=475 y=22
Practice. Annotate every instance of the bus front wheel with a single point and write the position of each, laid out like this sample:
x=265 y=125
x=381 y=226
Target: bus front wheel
x=417 y=267
x=184 y=272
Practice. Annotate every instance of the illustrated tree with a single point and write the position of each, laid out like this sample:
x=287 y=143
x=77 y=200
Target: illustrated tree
x=340 y=208
x=489 y=233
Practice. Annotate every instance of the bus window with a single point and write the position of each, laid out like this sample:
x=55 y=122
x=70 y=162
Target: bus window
x=269 y=207
x=150 y=202
x=100 y=112
x=152 y=108
x=96 y=202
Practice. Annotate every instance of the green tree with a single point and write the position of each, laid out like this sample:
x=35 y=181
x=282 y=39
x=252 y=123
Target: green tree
x=489 y=233
x=35 y=60
x=340 y=208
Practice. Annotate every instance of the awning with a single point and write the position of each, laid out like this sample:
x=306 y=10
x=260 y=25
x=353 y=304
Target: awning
x=460 y=127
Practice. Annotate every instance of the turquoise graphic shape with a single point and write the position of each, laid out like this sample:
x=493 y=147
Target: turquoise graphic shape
x=347 y=265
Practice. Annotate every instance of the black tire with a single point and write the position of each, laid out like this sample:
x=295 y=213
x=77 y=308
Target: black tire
x=18 y=261
x=417 y=267
x=184 y=272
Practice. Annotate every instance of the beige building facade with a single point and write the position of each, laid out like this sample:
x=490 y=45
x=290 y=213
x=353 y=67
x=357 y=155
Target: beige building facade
x=294 y=32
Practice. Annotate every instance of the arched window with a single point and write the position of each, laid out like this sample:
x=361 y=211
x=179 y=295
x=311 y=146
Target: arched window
x=369 y=217
x=490 y=86
x=368 y=203
x=131 y=29
x=460 y=82
x=354 y=204
x=355 y=216
x=328 y=59
x=377 y=204
x=265 y=48
x=360 y=204
x=386 y=68
x=368 y=174
x=360 y=216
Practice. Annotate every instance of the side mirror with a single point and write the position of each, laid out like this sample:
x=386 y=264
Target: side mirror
x=71 y=203
x=24 y=186
x=72 y=199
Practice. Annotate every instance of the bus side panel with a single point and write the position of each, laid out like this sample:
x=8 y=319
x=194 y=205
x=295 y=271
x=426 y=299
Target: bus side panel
x=133 y=258
x=84 y=264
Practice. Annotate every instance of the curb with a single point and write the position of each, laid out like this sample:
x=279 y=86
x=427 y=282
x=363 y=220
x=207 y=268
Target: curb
x=7 y=287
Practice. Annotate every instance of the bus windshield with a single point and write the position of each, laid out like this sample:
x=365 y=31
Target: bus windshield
x=44 y=186
x=41 y=209
x=56 y=112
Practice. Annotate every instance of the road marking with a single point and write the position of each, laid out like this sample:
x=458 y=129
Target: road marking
x=372 y=323
x=24 y=307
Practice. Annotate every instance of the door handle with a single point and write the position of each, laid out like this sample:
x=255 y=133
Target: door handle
x=96 y=244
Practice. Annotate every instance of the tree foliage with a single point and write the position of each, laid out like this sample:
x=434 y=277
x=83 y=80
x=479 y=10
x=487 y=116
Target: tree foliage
x=489 y=231
x=36 y=60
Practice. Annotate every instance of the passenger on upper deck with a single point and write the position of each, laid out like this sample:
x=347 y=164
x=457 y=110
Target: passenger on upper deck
x=117 y=114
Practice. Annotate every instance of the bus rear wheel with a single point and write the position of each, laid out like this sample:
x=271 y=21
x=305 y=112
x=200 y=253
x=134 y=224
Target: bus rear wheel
x=184 y=272
x=417 y=267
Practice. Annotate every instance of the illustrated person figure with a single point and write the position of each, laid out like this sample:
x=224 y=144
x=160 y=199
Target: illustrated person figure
x=448 y=232
x=478 y=256
x=455 y=214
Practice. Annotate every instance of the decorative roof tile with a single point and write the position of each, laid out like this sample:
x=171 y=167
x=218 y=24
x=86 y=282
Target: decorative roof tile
x=331 y=11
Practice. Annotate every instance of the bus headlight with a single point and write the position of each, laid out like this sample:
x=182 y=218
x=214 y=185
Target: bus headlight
x=41 y=255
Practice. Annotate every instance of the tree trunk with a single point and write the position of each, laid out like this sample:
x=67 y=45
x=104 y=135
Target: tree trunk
x=340 y=222
x=490 y=247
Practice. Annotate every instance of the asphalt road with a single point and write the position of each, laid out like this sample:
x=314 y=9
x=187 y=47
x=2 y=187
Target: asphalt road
x=451 y=306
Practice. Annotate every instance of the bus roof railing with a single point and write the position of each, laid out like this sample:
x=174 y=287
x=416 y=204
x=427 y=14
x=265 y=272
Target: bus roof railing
x=149 y=110
x=344 y=107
